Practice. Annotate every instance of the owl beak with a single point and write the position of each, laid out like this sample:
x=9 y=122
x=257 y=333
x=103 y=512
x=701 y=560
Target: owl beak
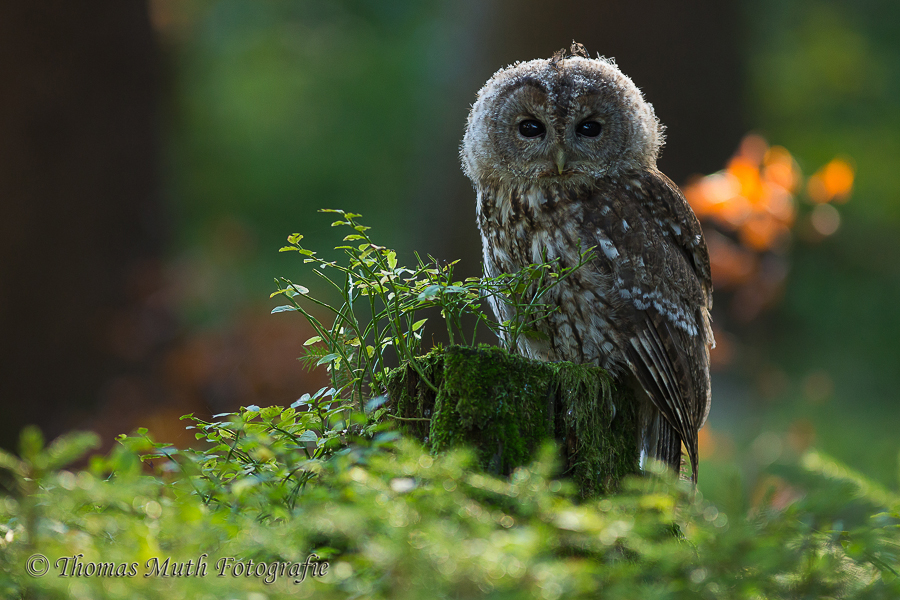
x=560 y=160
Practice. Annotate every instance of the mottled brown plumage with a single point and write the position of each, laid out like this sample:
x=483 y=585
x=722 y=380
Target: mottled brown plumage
x=562 y=153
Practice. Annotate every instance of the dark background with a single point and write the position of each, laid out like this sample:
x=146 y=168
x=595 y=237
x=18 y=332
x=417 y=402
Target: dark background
x=154 y=156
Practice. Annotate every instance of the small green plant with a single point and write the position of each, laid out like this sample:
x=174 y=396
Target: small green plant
x=382 y=301
x=393 y=521
x=276 y=451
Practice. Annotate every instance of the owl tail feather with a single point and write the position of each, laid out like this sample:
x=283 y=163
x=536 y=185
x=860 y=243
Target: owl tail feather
x=660 y=441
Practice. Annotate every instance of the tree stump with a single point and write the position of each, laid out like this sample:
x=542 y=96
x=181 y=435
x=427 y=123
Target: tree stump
x=506 y=407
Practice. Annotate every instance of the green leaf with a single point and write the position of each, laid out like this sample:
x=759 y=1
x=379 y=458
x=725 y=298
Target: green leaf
x=294 y=238
x=283 y=308
x=314 y=339
x=31 y=442
x=430 y=292
x=418 y=324
x=302 y=401
x=70 y=447
x=308 y=436
x=392 y=259
x=324 y=392
x=328 y=358
x=11 y=463
x=376 y=402
x=270 y=412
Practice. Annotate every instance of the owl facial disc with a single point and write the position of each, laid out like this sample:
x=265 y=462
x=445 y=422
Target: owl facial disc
x=558 y=119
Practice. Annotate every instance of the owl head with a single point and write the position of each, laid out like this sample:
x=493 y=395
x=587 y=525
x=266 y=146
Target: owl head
x=561 y=120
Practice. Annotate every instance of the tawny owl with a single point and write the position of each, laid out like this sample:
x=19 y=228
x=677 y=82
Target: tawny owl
x=562 y=152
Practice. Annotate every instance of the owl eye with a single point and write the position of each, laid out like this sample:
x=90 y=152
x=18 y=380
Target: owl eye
x=531 y=128
x=589 y=129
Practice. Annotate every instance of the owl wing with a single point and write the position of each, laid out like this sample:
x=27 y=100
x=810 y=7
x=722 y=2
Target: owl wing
x=668 y=204
x=660 y=272
x=681 y=229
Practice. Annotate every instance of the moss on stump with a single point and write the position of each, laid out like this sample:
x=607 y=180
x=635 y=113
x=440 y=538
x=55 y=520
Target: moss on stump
x=506 y=406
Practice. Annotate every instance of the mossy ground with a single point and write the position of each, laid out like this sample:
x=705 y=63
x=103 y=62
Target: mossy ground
x=506 y=406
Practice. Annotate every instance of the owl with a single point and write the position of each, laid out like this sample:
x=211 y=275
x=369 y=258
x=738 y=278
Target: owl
x=562 y=154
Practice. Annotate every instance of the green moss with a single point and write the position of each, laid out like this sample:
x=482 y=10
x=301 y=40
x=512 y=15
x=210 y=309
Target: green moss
x=412 y=400
x=495 y=402
x=506 y=406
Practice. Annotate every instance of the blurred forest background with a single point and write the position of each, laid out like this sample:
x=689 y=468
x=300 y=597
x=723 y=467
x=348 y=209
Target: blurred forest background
x=155 y=155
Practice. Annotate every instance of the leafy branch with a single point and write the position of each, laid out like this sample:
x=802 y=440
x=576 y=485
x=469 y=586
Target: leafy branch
x=381 y=304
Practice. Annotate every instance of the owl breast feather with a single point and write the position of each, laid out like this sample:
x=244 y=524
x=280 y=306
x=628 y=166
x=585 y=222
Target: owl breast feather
x=640 y=262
